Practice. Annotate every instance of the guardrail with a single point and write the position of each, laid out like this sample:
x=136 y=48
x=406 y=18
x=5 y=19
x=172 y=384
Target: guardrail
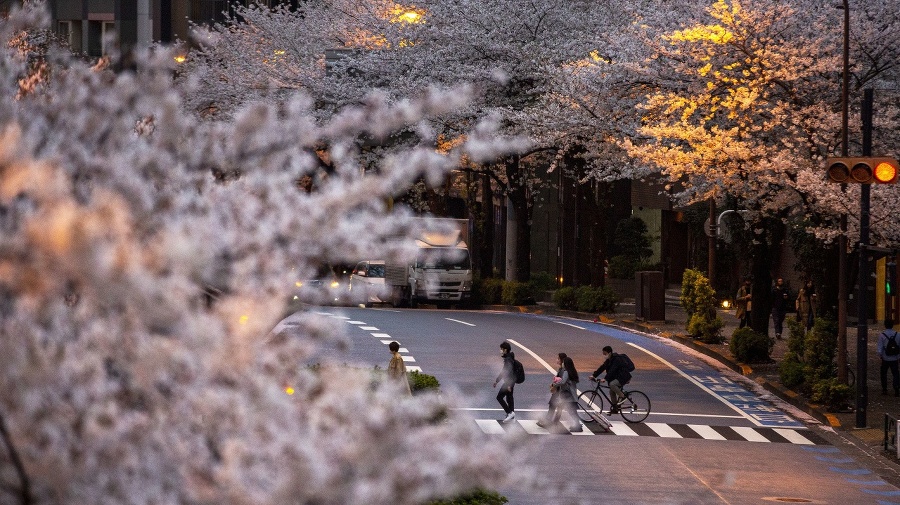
x=890 y=433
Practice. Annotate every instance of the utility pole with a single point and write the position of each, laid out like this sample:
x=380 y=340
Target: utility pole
x=842 y=238
x=862 y=324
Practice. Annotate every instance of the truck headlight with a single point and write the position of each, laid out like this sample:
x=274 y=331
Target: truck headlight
x=467 y=285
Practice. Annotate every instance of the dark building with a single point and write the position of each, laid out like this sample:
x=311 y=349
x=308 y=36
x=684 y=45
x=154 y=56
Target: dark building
x=85 y=24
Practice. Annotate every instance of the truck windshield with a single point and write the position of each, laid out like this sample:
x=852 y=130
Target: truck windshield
x=444 y=258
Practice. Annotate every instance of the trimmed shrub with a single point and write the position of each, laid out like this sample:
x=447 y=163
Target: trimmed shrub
x=595 y=300
x=832 y=393
x=622 y=267
x=565 y=298
x=478 y=497
x=516 y=293
x=749 y=346
x=421 y=382
x=542 y=281
x=791 y=370
x=821 y=344
x=706 y=330
x=487 y=291
x=688 y=299
x=796 y=337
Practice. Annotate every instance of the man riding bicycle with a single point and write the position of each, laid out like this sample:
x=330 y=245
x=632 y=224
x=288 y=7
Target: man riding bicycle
x=617 y=375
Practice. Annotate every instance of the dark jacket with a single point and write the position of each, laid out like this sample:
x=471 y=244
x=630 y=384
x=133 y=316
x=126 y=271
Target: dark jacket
x=507 y=376
x=779 y=299
x=614 y=369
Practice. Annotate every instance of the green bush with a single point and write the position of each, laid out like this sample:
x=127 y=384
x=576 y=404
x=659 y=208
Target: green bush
x=821 y=344
x=542 y=281
x=796 y=337
x=595 y=300
x=478 y=497
x=487 y=291
x=749 y=346
x=699 y=300
x=622 y=267
x=705 y=329
x=832 y=393
x=419 y=382
x=791 y=370
x=517 y=293
x=565 y=298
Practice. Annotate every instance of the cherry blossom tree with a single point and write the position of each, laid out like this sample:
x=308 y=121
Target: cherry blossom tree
x=120 y=382
x=748 y=107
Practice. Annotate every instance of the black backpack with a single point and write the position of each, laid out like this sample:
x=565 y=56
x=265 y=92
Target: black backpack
x=892 y=348
x=518 y=371
x=626 y=362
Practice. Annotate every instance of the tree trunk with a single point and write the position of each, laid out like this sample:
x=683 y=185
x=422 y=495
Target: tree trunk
x=486 y=246
x=518 y=197
x=762 y=256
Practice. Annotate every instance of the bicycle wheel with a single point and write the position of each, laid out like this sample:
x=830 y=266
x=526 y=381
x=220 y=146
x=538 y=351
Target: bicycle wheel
x=636 y=407
x=588 y=402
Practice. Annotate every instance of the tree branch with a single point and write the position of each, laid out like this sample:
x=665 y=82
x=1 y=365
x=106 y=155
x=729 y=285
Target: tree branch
x=25 y=487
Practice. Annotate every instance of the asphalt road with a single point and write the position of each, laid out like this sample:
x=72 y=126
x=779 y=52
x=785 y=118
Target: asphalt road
x=708 y=440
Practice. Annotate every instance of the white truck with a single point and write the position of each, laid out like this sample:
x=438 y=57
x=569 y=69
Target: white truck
x=442 y=271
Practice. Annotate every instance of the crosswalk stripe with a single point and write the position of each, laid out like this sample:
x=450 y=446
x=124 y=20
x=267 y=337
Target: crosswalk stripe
x=532 y=428
x=663 y=430
x=750 y=434
x=490 y=426
x=706 y=432
x=793 y=437
x=622 y=429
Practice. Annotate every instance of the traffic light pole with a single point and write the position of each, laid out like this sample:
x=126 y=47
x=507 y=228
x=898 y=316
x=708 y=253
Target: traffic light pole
x=862 y=326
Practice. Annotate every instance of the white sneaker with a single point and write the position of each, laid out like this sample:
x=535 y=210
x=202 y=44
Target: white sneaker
x=509 y=417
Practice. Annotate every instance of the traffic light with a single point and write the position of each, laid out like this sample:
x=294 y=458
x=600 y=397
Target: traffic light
x=866 y=170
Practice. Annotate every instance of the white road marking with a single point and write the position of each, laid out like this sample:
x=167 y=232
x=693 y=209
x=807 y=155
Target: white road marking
x=355 y=322
x=458 y=321
x=546 y=365
x=699 y=385
x=368 y=328
x=622 y=429
x=663 y=430
x=381 y=335
x=408 y=359
x=749 y=433
x=569 y=324
x=706 y=432
x=793 y=437
x=413 y=369
x=339 y=317
x=584 y=430
x=494 y=409
x=402 y=349
x=490 y=427
x=532 y=428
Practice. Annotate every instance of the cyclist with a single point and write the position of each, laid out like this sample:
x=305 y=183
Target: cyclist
x=617 y=375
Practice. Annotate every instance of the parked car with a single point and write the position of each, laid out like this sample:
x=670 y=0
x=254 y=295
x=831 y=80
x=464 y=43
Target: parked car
x=367 y=283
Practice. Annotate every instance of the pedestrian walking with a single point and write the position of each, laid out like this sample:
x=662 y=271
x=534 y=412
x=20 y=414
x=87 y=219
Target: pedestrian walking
x=742 y=303
x=889 y=352
x=507 y=381
x=397 y=368
x=807 y=304
x=779 y=306
x=563 y=394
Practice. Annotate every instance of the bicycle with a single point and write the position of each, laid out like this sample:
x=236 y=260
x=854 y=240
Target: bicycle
x=634 y=407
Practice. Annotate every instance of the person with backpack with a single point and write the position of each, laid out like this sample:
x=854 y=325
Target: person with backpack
x=618 y=368
x=507 y=380
x=889 y=352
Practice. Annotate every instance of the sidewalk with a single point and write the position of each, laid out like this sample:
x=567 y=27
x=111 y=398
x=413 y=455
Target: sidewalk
x=868 y=440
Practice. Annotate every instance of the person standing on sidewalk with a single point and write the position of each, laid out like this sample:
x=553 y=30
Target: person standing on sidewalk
x=779 y=306
x=397 y=368
x=507 y=380
x=889 y=352
x=742 y=303
x=807 y=305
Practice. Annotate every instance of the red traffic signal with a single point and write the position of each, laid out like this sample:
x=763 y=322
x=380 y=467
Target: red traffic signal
x=867 y=170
